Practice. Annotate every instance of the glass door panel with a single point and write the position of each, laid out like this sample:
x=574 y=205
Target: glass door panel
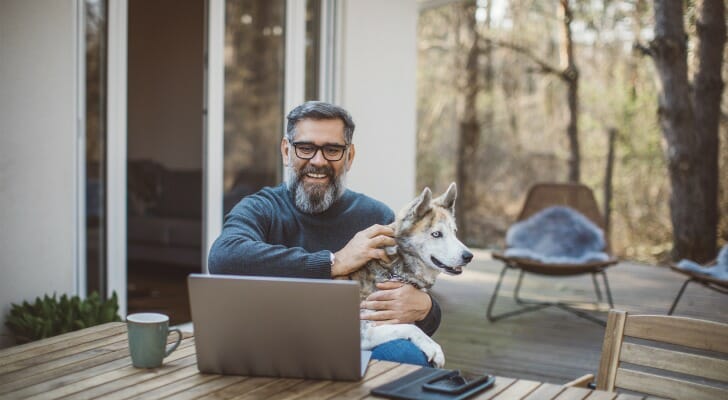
x=95 y=19
x=164 y=153
x=254 y=83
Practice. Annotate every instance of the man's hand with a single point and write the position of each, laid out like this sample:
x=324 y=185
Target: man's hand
x=364 y=246
x=396 y=303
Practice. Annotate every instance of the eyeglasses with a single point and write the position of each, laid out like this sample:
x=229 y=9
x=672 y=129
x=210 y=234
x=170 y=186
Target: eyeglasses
x=307 y=150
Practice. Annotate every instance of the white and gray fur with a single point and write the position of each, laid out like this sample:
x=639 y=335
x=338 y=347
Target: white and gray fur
x=425 y=233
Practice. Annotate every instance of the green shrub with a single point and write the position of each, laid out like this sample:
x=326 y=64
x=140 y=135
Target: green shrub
x=51 y=316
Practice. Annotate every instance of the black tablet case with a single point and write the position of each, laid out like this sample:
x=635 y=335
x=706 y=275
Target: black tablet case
x=410 y=386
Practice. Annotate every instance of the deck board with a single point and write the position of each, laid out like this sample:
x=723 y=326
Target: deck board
x=550 y=345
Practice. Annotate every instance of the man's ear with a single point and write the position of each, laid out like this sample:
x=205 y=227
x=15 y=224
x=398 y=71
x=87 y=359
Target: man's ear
x=350 y=157
x=285 y=148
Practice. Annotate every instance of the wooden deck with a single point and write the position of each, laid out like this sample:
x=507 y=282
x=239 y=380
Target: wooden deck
x=551 y=345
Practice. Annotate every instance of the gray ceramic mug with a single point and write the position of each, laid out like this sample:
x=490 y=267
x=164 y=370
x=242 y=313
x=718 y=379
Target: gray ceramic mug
x=148 y=339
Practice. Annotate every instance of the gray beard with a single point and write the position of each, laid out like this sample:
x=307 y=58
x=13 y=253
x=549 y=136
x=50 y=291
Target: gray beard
x=315 y=200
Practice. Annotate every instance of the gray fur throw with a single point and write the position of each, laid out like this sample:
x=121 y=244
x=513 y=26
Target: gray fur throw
x=556 y=235
x=718 y=271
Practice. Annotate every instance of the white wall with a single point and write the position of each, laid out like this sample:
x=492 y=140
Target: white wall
x=378 y=88
x=37 y=150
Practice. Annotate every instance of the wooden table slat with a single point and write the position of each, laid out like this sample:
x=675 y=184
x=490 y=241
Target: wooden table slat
x=545 y=391
x=90 y=381
x=266 y=391
x=235 y=389
x=68 y=351
x=573 y=393
x=518 y=390
x=61 y=363
x=375 y=369
x=69 y=374
x=367 y=385
x=301 y=390
x=171 y=379
x=33 y=349
x=200 y=390
x=139 y=379
x=500 y=385
x=625 y=396
x=602 y=395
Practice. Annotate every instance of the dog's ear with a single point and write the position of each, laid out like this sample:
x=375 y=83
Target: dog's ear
x=447 y=200
x=421 y=205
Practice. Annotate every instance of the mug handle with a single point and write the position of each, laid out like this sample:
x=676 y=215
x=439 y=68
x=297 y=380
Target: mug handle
x=174 y=346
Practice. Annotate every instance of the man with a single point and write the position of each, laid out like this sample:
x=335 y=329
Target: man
x=311 y=226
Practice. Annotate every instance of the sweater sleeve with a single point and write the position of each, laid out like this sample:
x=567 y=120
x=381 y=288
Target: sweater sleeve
x=431 y=322
x=242 y=248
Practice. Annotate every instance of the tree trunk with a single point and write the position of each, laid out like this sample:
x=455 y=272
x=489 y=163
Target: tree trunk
x=469 y=134
x=707 y=93
x=694 y=226
x=608 y=173
x=571 y=76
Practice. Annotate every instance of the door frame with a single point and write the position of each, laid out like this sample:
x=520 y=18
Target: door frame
x=116 y=112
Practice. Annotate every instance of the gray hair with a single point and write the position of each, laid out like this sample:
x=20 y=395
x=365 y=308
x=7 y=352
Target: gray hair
x=317 y=110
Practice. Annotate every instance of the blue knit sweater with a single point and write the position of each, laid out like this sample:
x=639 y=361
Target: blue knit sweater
x=265 y=234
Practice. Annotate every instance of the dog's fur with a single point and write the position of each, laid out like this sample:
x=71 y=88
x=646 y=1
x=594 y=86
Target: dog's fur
x=426 y=245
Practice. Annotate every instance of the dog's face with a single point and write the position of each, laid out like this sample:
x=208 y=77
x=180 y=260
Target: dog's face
x=426 y=228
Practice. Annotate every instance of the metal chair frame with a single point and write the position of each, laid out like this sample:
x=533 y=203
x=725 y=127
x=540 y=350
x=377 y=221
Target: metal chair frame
x=533 y=305
x=708 y=284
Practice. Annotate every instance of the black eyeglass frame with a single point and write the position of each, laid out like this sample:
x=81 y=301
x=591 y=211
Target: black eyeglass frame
x=342 y=147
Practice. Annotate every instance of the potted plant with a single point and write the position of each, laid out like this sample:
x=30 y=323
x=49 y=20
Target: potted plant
x=52 y=316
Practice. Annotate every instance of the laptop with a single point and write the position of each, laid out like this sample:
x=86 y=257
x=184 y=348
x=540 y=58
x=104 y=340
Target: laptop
x=277 y=327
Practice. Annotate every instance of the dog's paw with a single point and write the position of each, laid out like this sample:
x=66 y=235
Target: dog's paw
x=434 y=354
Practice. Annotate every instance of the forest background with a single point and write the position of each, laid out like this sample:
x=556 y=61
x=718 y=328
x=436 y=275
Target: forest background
x=484 y=65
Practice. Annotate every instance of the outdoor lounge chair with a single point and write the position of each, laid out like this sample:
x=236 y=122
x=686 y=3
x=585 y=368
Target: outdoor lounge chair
x=710 y=282
x=666 y=356
x=540 y=197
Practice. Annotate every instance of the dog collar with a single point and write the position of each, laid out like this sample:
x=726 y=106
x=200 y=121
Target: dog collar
x=396 y=277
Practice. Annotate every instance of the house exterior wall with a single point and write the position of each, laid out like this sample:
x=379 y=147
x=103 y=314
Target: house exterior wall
x=378 y=87
x=38 y=128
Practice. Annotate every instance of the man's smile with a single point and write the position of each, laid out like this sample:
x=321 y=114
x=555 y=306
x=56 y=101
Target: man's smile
x=316 y=176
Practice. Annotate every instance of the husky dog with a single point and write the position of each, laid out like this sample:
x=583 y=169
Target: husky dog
x=426 y=245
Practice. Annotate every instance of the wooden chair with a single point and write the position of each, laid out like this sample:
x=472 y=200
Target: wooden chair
x=718 y=285
x=540 y=196
x=667 y=356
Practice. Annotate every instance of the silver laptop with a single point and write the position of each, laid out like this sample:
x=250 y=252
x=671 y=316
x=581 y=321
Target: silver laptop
x=278 y=327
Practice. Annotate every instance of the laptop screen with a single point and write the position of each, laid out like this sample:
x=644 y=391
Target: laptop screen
x=278 y=327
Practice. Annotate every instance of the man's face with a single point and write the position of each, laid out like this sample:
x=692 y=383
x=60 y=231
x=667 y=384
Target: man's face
x=316 y=183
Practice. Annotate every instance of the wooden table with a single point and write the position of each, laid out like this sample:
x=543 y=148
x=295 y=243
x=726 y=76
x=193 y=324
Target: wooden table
x=95 y=363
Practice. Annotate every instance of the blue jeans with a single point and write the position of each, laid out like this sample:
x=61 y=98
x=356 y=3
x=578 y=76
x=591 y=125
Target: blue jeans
x=402 y=351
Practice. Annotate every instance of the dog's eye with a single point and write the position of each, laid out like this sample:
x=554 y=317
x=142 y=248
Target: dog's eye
x=436 y=234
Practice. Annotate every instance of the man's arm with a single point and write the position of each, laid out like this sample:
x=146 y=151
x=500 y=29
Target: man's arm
x=242 y=248
x=399 y=303
x=431 y=322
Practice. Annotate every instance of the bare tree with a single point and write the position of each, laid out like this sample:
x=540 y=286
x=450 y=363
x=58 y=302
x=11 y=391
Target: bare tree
x=469 y=129
x=689 y=117
x=570 y=75
x=568 y=72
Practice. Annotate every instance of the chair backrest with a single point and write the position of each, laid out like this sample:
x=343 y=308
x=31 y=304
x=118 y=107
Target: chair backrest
x=575 y=195
x=666 y=356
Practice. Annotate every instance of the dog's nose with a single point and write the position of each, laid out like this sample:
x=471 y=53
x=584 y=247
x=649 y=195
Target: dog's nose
x=467 y=256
